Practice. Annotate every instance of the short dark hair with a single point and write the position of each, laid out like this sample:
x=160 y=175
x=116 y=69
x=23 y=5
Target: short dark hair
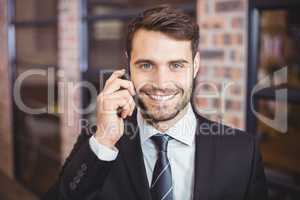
x=166 y=19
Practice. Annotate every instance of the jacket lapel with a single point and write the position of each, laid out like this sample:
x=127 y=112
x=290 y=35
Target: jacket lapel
x=131 y=152
x=204 y=161
x=130 y=149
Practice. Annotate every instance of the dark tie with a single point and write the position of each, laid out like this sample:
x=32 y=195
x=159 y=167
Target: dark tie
x=161 y=186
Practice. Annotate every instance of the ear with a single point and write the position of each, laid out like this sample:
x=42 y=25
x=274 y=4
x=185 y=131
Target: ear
x=196 y=63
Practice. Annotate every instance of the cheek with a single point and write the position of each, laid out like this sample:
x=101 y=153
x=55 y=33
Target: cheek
x=140 y=79
x=184 y=80
x=138 y=83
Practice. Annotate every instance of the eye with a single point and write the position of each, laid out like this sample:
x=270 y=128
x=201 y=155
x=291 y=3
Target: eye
x=145 y=66
x=176 y=66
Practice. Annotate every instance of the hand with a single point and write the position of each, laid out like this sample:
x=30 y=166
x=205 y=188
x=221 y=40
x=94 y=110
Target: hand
x=114 y=104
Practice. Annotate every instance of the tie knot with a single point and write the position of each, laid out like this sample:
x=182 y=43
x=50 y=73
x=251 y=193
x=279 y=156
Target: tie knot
x=161 y=141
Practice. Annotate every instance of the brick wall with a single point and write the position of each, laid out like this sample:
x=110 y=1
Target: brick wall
x=69 y=73
x=6 y=139
x=222 y=47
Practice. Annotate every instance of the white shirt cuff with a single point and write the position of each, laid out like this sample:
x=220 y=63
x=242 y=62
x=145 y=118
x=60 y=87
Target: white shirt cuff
x=102 y=152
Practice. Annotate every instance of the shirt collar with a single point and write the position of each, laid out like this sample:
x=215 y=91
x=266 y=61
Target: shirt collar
x=184 y=130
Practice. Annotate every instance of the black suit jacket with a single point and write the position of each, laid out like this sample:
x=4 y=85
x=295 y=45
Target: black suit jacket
x=227 y=166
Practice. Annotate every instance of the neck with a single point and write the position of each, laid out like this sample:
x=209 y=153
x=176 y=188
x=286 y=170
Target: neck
x=163 y=126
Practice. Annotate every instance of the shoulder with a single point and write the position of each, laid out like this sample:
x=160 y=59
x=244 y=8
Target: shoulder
x=226 y=138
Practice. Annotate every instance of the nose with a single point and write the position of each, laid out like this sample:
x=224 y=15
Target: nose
x=162 y=76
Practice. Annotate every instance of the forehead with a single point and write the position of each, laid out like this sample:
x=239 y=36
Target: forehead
x=155 y=44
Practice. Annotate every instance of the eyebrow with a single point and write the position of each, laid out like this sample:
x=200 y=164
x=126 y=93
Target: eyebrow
x=152 y=62
x=179 y=61
x=139 y=61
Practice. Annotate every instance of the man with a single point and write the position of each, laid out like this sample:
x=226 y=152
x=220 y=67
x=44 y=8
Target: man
x=162 y=149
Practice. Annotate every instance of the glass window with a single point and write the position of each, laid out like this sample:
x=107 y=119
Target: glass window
x=279 y=48
x=106 y=44
x=35 y=10
x=36 y=47
x=37 y=141
x=108 y=26
x=280 y=44
x=280 y=150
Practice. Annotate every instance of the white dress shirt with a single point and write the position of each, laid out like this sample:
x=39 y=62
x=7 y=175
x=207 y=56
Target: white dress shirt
x=181 y=152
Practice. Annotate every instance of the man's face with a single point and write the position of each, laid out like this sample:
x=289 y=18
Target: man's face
x=162 y=73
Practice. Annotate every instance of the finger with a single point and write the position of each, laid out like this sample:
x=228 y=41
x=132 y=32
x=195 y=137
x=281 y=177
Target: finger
x=132 y=105
x=118 y=99
x=129 y=107
x=115 y=74
x=125 y=110
x=118 y=84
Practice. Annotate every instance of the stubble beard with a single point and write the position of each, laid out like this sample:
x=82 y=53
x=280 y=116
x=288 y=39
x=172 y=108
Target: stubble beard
x=158 y=115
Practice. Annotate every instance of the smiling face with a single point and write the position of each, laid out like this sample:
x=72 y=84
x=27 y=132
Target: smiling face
x=162 y=70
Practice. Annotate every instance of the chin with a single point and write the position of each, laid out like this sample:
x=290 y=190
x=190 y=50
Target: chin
x=162 y=115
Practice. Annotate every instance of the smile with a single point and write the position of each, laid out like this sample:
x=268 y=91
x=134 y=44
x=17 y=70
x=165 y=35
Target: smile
x=161 y=97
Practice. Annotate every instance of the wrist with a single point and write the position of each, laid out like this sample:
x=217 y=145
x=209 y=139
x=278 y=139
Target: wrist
x=104 y=141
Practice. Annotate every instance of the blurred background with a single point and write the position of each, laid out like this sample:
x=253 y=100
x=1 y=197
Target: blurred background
x=67 y=41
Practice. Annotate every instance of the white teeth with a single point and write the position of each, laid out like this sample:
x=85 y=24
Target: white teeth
x=161 y=98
